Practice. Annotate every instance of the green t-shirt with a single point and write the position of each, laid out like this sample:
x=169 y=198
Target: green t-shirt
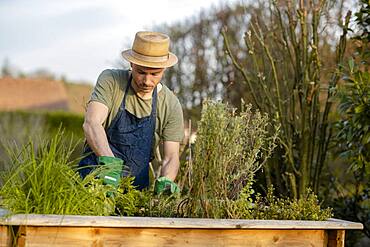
x=110 y=89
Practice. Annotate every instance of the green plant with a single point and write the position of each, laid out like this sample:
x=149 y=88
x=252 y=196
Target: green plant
x=229 y=148
x=271 y=207
x=16 y=130
x=129 y=201
x=166 y=206
x=353 y=129
x=43 y=181
x=282 y=70
x=20 y=127
x=304 y=208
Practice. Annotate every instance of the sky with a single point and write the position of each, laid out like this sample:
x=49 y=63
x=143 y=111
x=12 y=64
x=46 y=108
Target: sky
x=80 y=38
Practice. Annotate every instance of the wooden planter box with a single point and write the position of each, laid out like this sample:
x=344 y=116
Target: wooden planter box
x=66 y=230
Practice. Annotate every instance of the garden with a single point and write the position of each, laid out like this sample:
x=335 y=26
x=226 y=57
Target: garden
x=281 y=155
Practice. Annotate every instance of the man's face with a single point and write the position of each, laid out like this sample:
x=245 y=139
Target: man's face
x=145 y=79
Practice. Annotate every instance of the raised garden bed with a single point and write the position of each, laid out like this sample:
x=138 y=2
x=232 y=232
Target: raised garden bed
x=67 y=230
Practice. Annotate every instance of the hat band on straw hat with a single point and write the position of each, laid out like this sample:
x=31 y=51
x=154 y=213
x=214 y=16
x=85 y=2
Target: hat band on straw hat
x=157 y=59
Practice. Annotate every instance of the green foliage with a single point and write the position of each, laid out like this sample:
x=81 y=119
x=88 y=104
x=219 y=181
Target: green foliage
x=283 y=71
x=49 y=121
x=166 y=206
x=229 y=148
x=244 y=206
x=19 y=127
x=272 y=207
x=363 y=23
x=353 y=129
x=43 y=181
x=71 y=122
x=129 y=201
x=304 y=208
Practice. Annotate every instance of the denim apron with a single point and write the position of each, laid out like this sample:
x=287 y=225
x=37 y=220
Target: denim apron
x=130 y=139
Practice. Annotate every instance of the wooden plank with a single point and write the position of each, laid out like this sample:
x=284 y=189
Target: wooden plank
x=336 y=238
x=4 y=236
x=114 y=221
x=86 y=236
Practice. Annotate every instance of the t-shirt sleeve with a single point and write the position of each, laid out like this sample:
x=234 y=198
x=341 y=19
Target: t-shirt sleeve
x=103 y=90
x=174 y=127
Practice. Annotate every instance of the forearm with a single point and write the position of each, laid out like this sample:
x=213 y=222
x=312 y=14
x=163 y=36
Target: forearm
x=170 y=167
x=97 y=139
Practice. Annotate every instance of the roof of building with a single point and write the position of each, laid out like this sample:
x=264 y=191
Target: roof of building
x=42 y=94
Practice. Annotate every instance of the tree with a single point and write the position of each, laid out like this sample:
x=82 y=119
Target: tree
x=203 y=71
x=284 y=74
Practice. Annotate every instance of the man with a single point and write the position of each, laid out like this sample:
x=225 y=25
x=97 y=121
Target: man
x=130 y=112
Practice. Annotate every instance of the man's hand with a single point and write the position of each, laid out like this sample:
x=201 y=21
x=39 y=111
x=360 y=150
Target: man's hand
x=164 y=185
x=111 y=170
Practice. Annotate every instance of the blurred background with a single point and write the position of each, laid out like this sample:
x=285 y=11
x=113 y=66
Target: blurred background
x=78 y=39
x=306 y=63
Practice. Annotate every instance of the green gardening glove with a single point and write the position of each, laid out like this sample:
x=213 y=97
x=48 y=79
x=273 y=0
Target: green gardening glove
x=111 y=172
x=166 y=186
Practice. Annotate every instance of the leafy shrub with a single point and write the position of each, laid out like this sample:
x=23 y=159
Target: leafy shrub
x=129 y=201
x=353 y=130
x=274 y=208
x=229 y=148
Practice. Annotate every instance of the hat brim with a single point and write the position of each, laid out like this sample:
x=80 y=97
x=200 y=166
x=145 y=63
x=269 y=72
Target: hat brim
x=129 y=56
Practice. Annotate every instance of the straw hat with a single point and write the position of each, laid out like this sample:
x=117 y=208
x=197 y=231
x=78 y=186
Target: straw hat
x=151 y=49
